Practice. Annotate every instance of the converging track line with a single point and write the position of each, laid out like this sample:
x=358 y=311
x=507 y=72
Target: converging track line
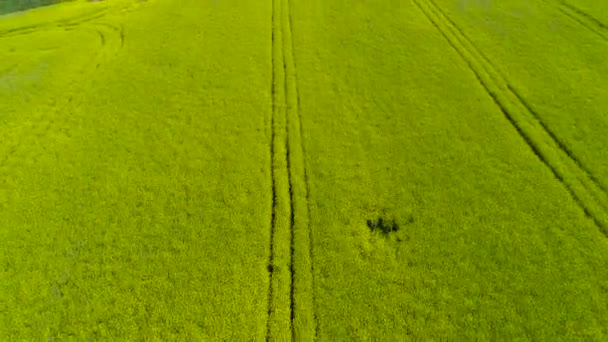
x=582 y=186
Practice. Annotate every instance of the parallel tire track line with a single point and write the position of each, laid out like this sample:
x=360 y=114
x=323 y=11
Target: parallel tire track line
x=304 y=285
x=584 y=19
x=500 y=78
x=304 y=321
x=586 y=177
x=581 y=186
x=291 y=297
x=597 y=190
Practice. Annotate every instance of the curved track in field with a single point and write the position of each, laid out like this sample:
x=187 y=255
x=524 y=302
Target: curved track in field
x=111 y=41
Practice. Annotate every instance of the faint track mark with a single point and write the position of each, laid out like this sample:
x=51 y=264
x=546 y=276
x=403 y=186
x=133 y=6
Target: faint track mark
x=102 y=38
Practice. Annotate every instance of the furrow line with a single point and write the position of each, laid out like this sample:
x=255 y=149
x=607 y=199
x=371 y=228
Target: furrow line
x=575 y=180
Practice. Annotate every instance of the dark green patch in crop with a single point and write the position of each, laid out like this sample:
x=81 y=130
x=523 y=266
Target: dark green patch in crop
x=383 y=225
x=386 y=226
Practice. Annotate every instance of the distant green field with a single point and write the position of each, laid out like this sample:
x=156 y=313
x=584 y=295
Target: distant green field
x=217 y=170
x=7 y=6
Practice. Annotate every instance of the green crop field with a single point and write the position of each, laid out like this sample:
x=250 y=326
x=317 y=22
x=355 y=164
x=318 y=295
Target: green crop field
x=301 y=170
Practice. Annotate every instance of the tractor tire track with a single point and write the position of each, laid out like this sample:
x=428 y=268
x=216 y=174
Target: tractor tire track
x=273 y=190
x=288 y=147
x=577 y=181
x=597 y=185
x=583 y=18
x=304 y=318
x=118 y=30
x=593 y=185
x=291 y=296
x=280 y=299
x=286 y=45
x=102 y=37
x=586 y=177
